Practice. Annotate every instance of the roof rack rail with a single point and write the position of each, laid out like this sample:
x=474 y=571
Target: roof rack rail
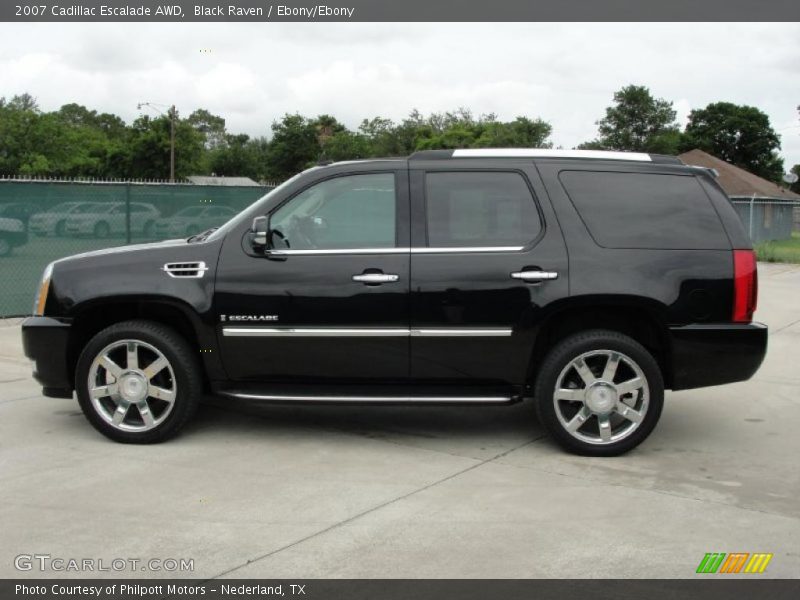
x=542 y=153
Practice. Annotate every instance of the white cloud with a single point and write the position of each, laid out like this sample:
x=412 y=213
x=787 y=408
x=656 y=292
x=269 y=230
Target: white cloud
x=565 y=73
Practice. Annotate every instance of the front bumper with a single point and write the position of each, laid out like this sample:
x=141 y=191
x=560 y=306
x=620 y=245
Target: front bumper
x=45 y=340
x=705 y=355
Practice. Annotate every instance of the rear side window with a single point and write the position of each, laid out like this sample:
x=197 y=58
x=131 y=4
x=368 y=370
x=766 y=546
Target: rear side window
x=643 y=210
x=479 y=209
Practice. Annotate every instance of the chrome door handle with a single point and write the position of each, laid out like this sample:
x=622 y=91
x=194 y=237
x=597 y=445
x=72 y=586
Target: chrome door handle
x=535 y=275
x=376 y=278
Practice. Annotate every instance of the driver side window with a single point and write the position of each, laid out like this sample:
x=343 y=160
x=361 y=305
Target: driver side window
x=354 y=211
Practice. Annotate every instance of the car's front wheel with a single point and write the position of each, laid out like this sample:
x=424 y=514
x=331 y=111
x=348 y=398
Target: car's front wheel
x=138 y=382
x=599 y=393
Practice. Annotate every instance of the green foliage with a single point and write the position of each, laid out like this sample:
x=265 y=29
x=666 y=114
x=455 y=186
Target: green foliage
x=293 y=147
x=211 y=127
x=239 y=156
x=637 y=122
x=147 y=154
x=783 y=251
x=795 y=187
x=77 y=141
x=740 y=135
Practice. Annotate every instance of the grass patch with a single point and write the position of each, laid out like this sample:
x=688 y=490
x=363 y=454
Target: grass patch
x=782 y=251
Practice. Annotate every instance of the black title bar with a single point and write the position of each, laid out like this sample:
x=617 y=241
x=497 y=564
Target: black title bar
x=708 y=588
x=255 y=11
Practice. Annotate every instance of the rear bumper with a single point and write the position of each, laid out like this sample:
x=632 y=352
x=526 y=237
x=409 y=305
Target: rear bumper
x=44 y=341
x=705 y=355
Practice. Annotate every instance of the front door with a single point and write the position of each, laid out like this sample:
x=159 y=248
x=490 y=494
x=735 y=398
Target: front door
x=332 y=305
x=487 y=260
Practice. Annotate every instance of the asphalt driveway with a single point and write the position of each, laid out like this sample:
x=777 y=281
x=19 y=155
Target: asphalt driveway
x=306 y=492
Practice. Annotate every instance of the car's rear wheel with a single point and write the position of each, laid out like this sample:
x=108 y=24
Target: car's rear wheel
x=138 y=382
x=599 y=393
x=60 y=230
x=5 y=246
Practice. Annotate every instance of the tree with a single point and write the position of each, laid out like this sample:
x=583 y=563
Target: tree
x=383 y=137
x=460 y=129
x=795 y=187
x=346 y=145
x=149 y=148
x=738 y=134
x=522 y=132
x=637 y=122
x=239 y=156
x=294 y=146
x=211 y=127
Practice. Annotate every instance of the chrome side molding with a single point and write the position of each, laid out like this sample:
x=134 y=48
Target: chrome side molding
x=313 y=332
x=363 y=332
x=418 y=250
x=459 y=332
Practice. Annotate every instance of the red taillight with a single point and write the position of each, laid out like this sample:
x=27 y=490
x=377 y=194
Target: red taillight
x=745 y=285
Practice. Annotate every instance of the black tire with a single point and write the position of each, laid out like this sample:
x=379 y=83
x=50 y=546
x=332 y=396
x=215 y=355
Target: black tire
x=558 y=361
x=182 y=360
x=60 y=228
x=150 y=229
x=5 y=246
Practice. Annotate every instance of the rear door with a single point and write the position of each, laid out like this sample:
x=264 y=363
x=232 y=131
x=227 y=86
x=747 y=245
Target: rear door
x=487 y=260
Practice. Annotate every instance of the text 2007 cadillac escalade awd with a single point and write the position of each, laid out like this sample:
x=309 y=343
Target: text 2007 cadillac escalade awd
x=591 y=281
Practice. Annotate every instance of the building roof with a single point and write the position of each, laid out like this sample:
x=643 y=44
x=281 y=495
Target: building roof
x=226 y=181
x=736 y=181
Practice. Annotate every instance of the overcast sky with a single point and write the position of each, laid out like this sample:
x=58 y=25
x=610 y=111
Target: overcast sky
x=253 y=74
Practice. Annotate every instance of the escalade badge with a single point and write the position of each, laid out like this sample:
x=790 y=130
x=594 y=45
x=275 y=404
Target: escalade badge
x=225 y=318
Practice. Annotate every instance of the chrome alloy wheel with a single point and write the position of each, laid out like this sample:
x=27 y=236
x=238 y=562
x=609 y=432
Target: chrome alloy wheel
x=601 y=397
x=133 y=397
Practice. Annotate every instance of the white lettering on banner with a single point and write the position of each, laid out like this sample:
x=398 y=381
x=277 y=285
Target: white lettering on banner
x=313 y=12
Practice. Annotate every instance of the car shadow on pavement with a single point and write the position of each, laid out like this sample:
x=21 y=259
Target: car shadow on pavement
x=490 y=423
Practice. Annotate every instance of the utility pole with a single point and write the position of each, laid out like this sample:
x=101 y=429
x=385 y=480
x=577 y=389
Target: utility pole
x=172 y=115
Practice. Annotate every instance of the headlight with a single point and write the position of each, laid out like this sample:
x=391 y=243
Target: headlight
x=41 y=295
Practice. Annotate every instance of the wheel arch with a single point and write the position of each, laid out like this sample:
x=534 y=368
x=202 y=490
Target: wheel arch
x=92 y=317
x=639 y=318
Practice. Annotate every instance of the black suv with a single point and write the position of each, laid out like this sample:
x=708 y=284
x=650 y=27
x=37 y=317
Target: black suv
x=590 y=281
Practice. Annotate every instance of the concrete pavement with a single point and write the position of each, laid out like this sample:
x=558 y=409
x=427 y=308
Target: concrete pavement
x=303 y=492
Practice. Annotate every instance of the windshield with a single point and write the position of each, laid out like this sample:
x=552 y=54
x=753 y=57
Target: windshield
x=222 y=230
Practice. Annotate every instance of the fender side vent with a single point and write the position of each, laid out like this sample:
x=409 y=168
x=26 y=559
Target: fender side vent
x=185 y=270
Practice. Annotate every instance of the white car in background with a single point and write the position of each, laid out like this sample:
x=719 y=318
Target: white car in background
x=193 y=219
x=53 y=220
x=12 y=234
x=102 y=220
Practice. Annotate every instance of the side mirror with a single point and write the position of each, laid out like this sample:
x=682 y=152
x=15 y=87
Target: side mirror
x=258 y=232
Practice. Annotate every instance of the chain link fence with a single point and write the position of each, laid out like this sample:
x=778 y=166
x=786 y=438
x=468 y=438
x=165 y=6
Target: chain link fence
x=41 y=221
x=767 y=219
